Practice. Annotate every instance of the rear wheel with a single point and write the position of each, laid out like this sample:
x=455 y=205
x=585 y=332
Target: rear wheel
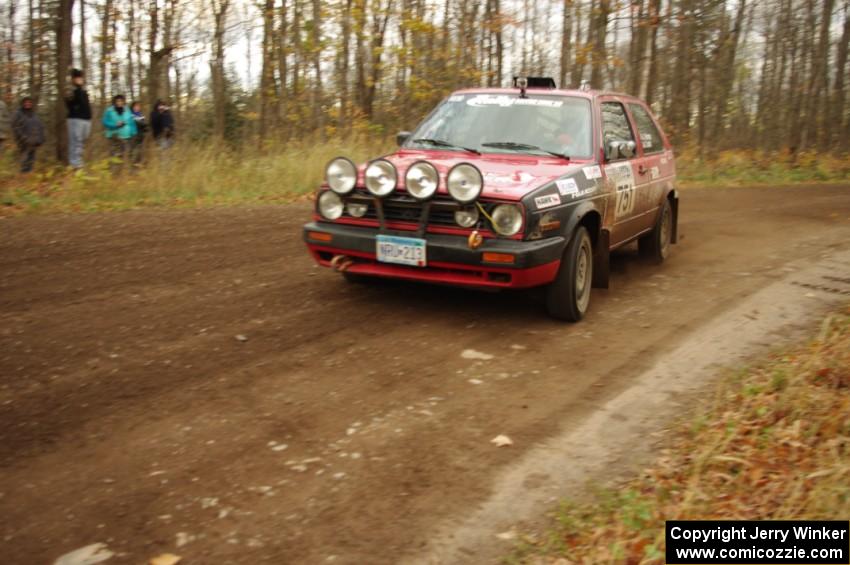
x=655 y=245
x=568 y=297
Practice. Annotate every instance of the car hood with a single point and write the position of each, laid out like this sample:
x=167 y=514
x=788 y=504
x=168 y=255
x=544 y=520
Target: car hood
x=506 y=176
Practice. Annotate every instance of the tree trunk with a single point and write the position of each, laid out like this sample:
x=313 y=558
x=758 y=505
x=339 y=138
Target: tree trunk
x=566 y=41
x=316 y=45
x=344 y=103
x=837 y=129
x=219 y=86
x=599 y=55
x=267 y=83
x=652 y=73
x=282 y=52
x=64 y=27
x=638 y=48
x=105 y=50
x=84 y=53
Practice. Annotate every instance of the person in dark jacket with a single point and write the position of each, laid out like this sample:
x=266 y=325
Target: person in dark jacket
x=79 y=118
x=162 y=124
x=138 y=142
x=29 y=133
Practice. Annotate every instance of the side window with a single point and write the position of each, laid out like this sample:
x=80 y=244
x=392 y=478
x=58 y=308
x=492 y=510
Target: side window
x=615 y=123
x=650 y=138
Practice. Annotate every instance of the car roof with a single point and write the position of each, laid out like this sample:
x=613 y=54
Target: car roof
x=589 y=94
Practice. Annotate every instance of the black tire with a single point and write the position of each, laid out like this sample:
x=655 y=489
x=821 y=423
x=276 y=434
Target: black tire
x=568 y=297
x=655 y=246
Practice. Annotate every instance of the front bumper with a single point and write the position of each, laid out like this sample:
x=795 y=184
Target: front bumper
x=450 y=260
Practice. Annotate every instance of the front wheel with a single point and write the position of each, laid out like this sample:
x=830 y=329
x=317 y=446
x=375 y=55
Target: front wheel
x=568 y=297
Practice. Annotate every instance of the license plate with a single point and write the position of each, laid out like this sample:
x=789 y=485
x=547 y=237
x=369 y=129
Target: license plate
x=400 y=250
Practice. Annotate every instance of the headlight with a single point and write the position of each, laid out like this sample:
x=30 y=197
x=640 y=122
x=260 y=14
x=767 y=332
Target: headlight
x=381 y=177
x=464 y=183
x=467 y=217
x=330 y=205
x=507 y=219
x=341 y=175
x=356 y=209
x=421 y=180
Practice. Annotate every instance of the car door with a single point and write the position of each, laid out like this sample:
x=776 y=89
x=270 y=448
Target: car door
x=621 y=173
x=654 y=166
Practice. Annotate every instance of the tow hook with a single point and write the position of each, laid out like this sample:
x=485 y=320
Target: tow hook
x=340 y=263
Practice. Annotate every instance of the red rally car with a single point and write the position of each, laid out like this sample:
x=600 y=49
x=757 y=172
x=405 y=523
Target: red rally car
x=505 y=188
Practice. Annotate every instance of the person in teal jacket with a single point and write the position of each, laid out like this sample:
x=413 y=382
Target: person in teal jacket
x=119 y=126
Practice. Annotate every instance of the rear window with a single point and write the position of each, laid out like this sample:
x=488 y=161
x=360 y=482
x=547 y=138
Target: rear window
x=650 y=137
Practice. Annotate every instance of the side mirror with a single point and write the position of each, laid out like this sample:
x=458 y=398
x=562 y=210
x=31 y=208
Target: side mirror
x=612 y=150
x=401 y=137
x=618 y=149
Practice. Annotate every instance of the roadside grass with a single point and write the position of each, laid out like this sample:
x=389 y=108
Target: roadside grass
x=188 y=175
x=739 y=168
x=772 y=443
x=193 y=175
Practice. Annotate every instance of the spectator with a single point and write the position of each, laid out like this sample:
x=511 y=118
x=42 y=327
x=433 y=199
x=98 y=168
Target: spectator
x=29 y=133
x=137 y=144
x=162 y=124
x=119 y=126
x=5 y=124
x=79 y=119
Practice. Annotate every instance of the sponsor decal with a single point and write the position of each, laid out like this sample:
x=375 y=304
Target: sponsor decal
x=593 y=172
x=567 y=186
x=654 y=173
x=585 y=192
x=495 y=178
x=547 y=201
x=646 y=140
x=623 y=178
x=664 y=160
x=456 y=98
x=505 y=101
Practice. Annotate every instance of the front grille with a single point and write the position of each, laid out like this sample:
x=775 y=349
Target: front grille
x=407 y=209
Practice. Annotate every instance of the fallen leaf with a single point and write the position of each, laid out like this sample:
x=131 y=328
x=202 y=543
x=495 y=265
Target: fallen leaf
x=477 y=355
x=501 y=441
x=165 y=559
x=88 y=555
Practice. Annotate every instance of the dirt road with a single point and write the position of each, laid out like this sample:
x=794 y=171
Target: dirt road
x=188 y=381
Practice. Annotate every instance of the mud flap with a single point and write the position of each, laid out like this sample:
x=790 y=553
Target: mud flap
x=602 y=260
x=674 y=205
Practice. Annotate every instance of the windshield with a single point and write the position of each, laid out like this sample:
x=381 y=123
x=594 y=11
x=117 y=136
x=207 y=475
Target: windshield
x=506 y=123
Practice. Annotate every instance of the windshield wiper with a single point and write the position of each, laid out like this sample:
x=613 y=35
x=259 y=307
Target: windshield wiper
x=441 y=143
x=522 y=147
